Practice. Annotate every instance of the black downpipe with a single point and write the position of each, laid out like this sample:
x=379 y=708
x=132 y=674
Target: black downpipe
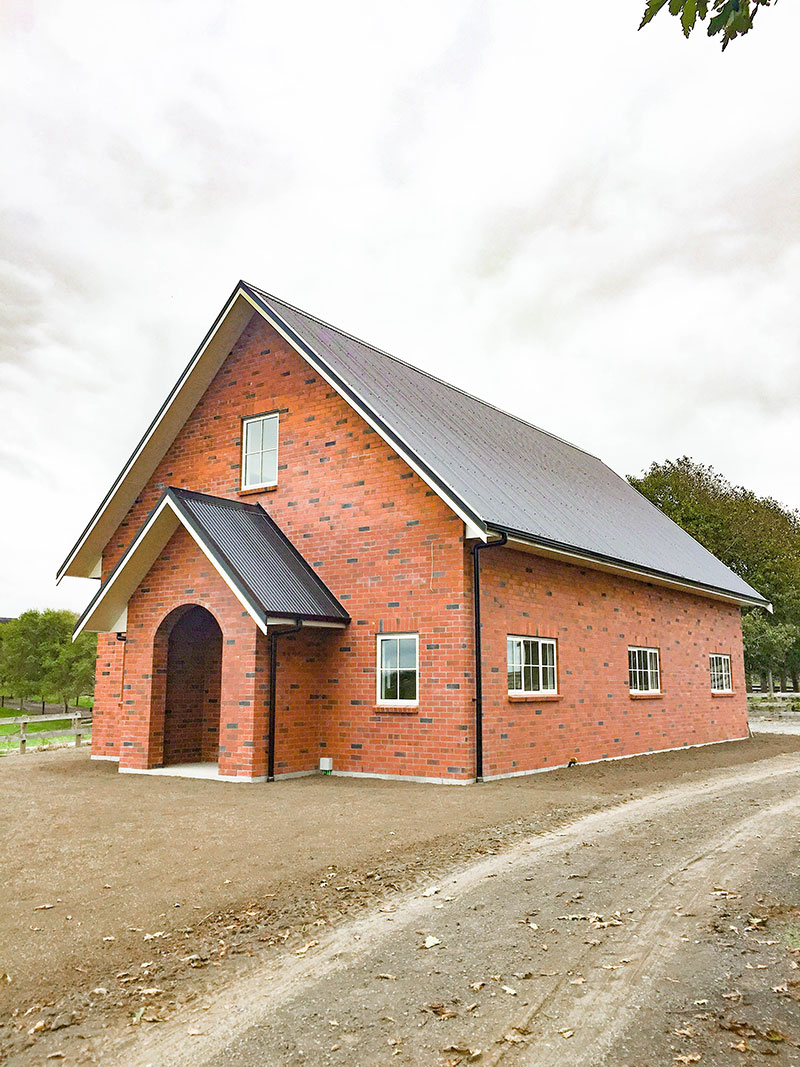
x=273 y=664
x=476 y=596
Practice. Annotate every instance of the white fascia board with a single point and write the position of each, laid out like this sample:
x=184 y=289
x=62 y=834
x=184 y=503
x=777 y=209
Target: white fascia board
x=112 y=602
x=248 y=607
x=318 y=623
x=471 y=529
x=184 y=397
x=579 y=559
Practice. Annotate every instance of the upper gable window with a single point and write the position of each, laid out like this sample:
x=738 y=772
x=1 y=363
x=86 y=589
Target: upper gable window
x=260 y=451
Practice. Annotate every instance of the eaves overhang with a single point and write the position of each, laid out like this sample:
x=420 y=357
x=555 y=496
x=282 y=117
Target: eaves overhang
x=107 y=612
x=84 y=558
x=570 y=554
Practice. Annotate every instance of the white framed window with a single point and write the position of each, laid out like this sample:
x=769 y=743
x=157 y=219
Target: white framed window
x=398 y=669
x=260 y=451
x=531 y=665
x=720 y=666
x=644 y=670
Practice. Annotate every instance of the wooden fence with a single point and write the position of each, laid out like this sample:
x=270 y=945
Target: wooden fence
x=79 y=726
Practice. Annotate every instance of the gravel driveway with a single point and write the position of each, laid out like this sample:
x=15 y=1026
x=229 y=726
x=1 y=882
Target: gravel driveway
x=167 y=921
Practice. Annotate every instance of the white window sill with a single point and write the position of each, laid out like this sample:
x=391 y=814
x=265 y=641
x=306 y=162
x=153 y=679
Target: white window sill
x=546 y=695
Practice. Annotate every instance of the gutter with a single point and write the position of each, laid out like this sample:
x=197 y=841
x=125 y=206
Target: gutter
x=476 y=596
x=635 y=571
x=273 y=662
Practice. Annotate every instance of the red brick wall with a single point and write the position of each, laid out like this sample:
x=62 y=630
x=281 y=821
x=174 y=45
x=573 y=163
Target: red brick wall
x=192 y=701
x=107 y=696
x=380 y=539
x=595 y=617
x=394 y=555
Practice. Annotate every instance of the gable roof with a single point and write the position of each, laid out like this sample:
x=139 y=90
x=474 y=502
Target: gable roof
x=249 y=550
x=496 y=471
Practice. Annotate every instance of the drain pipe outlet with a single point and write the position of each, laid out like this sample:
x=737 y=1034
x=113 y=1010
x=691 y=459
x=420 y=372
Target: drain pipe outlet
x=476 y=595
x=273 y=663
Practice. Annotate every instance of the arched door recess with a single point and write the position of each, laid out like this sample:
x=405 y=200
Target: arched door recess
x=192 y=697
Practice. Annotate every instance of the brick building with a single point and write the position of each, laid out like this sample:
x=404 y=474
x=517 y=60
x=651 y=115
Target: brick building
x=318 y=552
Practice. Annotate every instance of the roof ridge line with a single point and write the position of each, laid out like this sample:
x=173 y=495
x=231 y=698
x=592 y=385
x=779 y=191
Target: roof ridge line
x=419 y=370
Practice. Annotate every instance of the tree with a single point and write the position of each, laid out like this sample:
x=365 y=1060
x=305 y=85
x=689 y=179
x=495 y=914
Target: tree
x=730 y=18
x=40 y=659
x=755 y=536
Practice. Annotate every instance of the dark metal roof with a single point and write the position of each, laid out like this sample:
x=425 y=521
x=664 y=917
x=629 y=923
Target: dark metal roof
x=258 y=557
x=506 y=472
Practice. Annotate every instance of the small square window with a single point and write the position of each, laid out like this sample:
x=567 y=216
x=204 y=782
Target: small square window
x=398 y=668
x=720 y=667
x=644 y=670
x=531 y=665
x=260 y=451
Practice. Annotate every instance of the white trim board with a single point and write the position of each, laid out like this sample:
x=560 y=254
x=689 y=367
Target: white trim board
x=579 y=559
x=111 y=602
x=83 y=559
x=186 y=393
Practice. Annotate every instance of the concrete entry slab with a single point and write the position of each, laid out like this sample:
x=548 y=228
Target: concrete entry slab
x=208 y=771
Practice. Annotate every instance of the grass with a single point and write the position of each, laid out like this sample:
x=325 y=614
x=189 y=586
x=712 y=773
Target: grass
x=12 y=698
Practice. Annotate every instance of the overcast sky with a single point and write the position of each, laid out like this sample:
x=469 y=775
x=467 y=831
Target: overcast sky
x=594 y=228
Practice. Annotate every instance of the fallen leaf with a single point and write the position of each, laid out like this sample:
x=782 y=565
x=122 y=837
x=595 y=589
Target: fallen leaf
x=471 y=1054
x=566 y=1033
x=733 y=995
x=431 y=891
x=507 y=989
x=477 y=985
x=442 y=1011
x=101 y=991
x=430 y=942
x=513 y=1038
x=687 y=1031
x=388 y=977
x=739 y=1046
x=302 y=951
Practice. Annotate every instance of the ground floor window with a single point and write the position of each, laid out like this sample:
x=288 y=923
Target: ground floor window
x=531 y=665
x=720 y=673
x=398 y=668
x=644 y=670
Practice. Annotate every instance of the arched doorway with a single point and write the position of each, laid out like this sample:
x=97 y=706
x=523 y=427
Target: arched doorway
x=192 y=698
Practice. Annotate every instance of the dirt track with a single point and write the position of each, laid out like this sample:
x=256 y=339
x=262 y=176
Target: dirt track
x=232 y=879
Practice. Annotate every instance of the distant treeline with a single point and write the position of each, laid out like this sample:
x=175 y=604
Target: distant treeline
x=38 y=658
x=756 y=537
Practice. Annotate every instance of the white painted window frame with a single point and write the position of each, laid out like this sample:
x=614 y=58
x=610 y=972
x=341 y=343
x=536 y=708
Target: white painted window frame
x=723 y=669
x=379 y=670
x=519 y=640
x=634 y=673
x=246 y=421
